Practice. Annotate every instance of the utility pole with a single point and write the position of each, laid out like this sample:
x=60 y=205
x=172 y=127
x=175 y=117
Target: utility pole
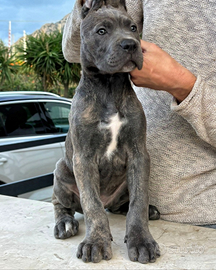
x=12 y=44
x=24 y=42
x=9 y=39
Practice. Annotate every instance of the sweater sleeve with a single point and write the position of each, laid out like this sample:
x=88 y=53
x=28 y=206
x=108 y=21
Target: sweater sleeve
x=199 y=109
x=71 y=34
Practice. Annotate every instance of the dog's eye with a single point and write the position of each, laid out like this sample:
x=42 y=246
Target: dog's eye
x=133 y=28
x=102 y=31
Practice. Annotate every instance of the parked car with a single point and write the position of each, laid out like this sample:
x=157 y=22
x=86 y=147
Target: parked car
x=33 y=127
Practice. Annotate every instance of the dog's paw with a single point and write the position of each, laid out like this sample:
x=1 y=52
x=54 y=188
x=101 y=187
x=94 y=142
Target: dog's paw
x=66 y=227
x=154 y=214
x=142 y=249
x=95 y=250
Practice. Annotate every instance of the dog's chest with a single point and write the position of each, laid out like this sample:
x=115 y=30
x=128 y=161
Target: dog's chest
x=113 y=125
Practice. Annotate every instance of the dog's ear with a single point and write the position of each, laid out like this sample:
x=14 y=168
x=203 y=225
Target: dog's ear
x=96 y=4
x=91 y=5
x=123 y=3
x=116 y=3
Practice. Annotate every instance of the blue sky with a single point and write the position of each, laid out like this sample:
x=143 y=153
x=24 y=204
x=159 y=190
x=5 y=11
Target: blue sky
x=30 y=15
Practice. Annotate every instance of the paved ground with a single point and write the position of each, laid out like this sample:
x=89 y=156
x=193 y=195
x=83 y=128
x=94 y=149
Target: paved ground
x=27 y=241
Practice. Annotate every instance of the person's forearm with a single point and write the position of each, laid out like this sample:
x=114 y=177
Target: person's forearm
x=184 y=84
x=161 y=72
x=199 y=110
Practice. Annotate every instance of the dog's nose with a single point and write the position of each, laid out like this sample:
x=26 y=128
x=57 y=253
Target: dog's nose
x=128 y=45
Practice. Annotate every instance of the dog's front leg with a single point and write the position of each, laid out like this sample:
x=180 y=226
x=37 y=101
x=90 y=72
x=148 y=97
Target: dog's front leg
x=140 y=243
x=97 y=242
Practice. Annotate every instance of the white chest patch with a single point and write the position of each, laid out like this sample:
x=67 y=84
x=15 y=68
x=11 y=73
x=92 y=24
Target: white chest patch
x=114 y=126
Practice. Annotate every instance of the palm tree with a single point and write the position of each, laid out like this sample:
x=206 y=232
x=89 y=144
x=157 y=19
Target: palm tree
x=7 y=66
x=44 y=55
x=41 y=55
x=69 y=73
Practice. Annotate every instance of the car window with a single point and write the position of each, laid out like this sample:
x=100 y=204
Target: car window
x=2 y=126
x=20 y=119
x=58 y=114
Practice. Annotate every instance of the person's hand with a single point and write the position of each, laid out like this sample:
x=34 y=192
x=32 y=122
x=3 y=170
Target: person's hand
x=161 y=72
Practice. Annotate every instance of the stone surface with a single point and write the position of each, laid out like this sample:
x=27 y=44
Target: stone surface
x=27 y=241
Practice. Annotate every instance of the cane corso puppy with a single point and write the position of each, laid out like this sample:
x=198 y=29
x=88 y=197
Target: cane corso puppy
x=106 y=164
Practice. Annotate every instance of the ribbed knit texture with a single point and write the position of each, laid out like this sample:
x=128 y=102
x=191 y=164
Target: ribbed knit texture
x=181 y=139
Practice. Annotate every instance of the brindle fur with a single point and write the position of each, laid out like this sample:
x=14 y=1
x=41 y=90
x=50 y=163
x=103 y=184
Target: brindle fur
x=86 y=179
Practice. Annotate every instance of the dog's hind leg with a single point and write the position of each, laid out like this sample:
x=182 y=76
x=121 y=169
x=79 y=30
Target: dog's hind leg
x=154 y=214
x=65 y=202
x=66 y=225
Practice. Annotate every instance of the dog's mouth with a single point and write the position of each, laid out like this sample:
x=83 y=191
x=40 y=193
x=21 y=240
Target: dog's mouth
x=139 y=62
x=127 y=64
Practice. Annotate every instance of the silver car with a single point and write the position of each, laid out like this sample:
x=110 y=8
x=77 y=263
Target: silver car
x=33 y=127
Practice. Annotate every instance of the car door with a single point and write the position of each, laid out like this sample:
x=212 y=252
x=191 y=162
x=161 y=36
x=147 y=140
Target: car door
x=57 y=114
x=21 y=161
x=31 y=150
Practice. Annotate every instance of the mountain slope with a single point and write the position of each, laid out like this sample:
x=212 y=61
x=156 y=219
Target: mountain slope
x=51 y=27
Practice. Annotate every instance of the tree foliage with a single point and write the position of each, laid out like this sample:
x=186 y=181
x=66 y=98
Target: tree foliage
x=43 y=54
x=7 y=64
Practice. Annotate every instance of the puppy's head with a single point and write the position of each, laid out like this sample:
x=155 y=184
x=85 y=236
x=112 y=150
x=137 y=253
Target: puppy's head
x=109 y=38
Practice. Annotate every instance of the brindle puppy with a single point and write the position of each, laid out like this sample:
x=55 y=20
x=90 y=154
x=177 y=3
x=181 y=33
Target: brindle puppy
x=106 y=162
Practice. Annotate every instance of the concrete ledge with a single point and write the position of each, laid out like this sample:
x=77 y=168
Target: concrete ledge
x=27 y=241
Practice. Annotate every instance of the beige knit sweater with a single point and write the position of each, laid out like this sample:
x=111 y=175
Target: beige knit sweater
x=181 y=139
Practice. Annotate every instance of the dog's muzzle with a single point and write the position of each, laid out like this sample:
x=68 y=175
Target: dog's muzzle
x=129 y=45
